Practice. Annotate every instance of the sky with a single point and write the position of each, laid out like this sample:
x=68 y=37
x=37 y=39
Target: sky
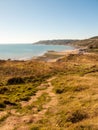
x=28 y=21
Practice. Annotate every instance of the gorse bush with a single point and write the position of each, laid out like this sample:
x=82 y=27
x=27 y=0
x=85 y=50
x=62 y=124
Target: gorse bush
x=2 y=105
x=77 y=116
x=3 y=90
x=15 y=80
x=59 y=90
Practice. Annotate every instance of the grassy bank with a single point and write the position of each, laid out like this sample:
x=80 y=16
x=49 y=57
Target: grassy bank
x=68 y=101
x=76 y=87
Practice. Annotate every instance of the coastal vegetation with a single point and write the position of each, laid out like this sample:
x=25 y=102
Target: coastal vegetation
x=60 y=95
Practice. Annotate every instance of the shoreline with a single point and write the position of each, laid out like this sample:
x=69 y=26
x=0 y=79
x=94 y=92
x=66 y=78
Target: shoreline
x=50 y=52
x=53 y=56
x=33 y=54
x=49 y=56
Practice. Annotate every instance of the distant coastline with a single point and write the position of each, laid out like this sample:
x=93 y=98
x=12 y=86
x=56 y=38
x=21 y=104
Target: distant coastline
x=48 y=49
x=56 y=42
x=90 y=42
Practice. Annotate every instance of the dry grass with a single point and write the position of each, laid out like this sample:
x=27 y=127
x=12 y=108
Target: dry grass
x=78 y=101
x=75 y=88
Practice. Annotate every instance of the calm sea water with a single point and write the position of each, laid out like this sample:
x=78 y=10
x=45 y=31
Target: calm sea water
x=27 y=51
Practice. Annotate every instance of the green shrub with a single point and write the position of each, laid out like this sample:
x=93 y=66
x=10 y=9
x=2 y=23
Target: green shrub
x=76 y=116
x=35 y=127
x=25 y=98
x=2 y=105
x=15 y=80
x=59 y=90
x=3 y=90
x=7 y=102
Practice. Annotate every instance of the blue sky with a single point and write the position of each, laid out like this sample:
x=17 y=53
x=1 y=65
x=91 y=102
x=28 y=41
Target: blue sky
x=27 y=21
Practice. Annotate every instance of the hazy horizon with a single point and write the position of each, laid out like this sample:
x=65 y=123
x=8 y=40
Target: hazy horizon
x=45 y=40
x=28 y=21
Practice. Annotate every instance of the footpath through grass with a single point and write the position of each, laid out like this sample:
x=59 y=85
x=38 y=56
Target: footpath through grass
x=75 y=86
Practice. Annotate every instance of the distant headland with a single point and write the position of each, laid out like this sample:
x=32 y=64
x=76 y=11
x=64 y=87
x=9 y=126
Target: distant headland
x=90 y=44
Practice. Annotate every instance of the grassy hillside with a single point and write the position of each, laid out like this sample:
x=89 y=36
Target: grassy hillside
x=18 y=80
x=55 y=96
x=90 y=44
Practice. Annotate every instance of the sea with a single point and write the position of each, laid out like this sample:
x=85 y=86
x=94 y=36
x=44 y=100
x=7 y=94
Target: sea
x=28 y=51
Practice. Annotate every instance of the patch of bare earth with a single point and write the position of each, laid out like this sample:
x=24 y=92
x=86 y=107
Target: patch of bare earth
x=21 y=122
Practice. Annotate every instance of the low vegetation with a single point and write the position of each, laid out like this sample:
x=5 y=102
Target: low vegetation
x=77 y=93
x=75 y=86
x=19 y=80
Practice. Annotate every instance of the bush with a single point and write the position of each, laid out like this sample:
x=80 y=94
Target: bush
x=35 y=127
x=59 y=90
x=3 y=90
x=2 y=105
x=25 y=98
x=77 y=116
x=15 y=80
x=7 y=102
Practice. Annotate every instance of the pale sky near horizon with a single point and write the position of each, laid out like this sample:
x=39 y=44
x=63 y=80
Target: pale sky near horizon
x=27 y=21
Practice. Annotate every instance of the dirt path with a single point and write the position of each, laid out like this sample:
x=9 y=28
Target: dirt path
x=21 y=122
x=52 y=103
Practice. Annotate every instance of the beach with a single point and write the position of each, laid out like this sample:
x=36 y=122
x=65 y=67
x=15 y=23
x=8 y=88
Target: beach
x=53 y=56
